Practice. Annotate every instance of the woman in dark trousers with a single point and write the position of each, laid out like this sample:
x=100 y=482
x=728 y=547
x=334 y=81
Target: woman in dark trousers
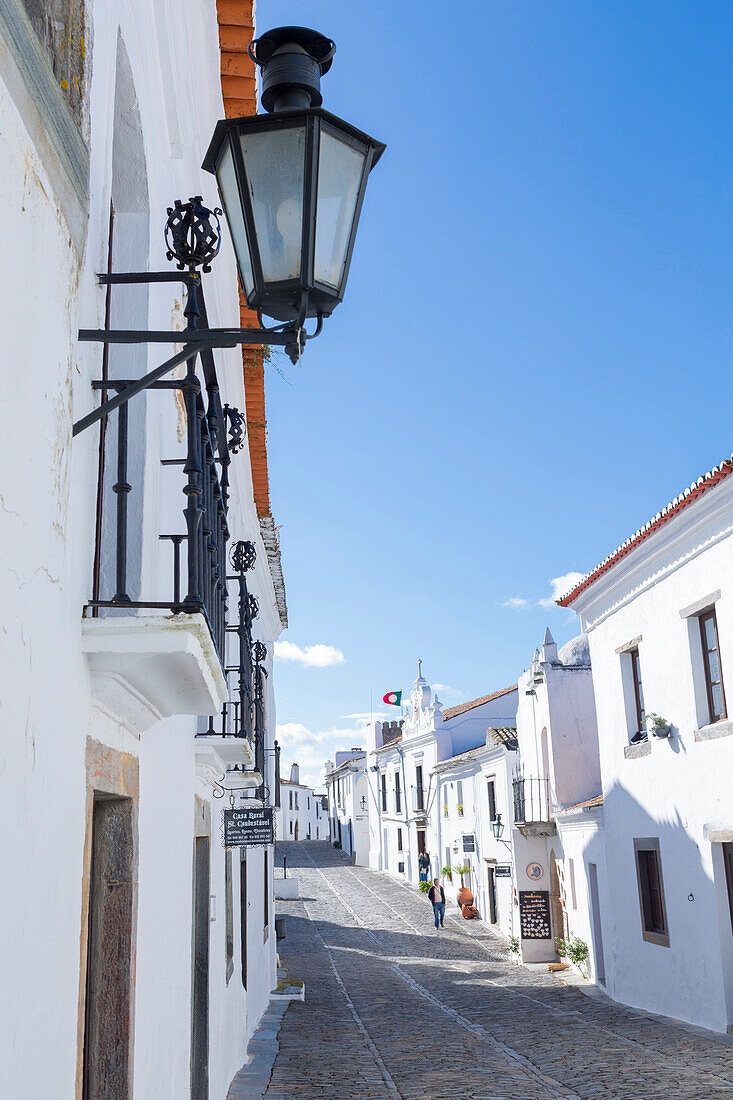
x=436 y=895
x=424 y=865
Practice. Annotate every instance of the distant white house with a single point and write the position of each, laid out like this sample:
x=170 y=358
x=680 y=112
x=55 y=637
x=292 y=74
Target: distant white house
x=301 y=814
x=658 y=613
x=557 y=802
x=348 y=803
x=402 y=757
x=469 y=825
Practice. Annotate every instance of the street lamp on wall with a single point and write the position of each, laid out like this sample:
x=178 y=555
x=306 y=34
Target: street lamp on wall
x=292 y=182
x=497 y=827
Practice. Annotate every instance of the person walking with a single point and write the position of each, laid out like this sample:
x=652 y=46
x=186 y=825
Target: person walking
x=424 y=865
x=436 y=896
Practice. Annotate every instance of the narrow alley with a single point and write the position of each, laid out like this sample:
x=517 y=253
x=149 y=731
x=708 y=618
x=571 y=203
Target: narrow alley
x=395 y=1009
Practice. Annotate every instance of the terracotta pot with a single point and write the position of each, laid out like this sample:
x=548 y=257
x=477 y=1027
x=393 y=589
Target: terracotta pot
x=464 y=896
x=469 y=912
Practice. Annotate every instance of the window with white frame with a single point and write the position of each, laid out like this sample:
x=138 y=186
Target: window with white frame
x=459 y=797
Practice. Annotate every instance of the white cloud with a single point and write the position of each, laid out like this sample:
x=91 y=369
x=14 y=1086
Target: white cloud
x=516 y=603
x=311 y=749
x=560 y=587
x=310 y=656
x=447 y=691
x=364 y=718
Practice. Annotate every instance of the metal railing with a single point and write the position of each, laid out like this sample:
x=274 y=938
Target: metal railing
x=531 y=800
x=213 y=433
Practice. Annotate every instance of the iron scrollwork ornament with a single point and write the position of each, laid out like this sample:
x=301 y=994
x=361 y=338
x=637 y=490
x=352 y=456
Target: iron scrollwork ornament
x=243 y=555
x=192 y=233
x=259 y=652
x=252 y=606
x=237 y=428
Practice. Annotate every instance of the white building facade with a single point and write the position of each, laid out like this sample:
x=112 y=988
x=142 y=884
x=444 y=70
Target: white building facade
x=301 y=814
x=405 y=817
x=468 y=829
x=659 y=617
x=347 y=791
x=114 y=659
x=557 y=803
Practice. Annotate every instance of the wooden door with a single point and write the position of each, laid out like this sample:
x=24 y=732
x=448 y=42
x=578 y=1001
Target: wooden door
x=493 y=907
x=106 y=1072
x=200 y=996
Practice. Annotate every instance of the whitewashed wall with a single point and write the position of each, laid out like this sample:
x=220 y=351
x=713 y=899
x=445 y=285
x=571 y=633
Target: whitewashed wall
x=679 y=791
x=47 y=494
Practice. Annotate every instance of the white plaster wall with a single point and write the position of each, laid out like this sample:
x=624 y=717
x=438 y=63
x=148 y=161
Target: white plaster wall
x=574 y=841
x=47 y=495
x=678 y=791
x=304 y=815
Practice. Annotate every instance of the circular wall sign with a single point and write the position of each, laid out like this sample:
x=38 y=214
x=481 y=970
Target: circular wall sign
x=535 y=871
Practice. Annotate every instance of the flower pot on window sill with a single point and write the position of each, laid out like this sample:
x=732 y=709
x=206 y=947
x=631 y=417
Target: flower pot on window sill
x=661 y=731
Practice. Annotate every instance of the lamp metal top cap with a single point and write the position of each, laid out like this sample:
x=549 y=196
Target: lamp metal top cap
x=315 y=44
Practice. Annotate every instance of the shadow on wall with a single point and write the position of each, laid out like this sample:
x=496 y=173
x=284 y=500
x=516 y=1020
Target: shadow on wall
x=684 y=968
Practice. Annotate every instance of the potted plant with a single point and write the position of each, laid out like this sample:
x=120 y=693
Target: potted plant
x=447 y=872
x=423 y=887
x=464 y=895
x=658 y=726
x=459 y=807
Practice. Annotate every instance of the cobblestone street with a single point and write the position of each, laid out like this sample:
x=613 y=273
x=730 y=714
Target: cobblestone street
x=394 y=1009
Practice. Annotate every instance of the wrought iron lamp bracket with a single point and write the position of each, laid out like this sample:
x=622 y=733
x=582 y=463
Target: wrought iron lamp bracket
x=193 y=236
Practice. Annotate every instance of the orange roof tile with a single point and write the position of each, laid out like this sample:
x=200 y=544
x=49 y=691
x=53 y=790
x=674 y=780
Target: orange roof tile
x=463 y=707
x=707 y=481
x=239 y=91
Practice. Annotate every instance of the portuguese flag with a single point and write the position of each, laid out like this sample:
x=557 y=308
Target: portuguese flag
x=392 y=698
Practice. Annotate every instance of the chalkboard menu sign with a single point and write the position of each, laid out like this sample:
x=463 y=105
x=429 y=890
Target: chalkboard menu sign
x=503 y=870
x=469 y=842
x=534 y=914
x=247 y=827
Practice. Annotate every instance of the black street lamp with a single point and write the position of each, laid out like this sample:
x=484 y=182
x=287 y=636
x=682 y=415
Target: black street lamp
x=497 y=827
x=292 y=182
x=292 y=185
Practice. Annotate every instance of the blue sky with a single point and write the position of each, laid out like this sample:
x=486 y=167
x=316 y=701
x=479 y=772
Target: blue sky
x=533 y=355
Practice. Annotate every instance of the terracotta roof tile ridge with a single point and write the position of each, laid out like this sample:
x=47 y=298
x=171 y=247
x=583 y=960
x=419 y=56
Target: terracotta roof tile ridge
x=462 y=707
x=691 y=493
x=589 y=803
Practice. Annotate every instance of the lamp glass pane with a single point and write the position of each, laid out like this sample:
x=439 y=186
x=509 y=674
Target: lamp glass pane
x=233 y=210
x=274 y=162
x=340 y=167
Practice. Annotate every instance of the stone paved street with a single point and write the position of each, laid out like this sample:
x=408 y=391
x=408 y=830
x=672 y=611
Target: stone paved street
x=394 y=1009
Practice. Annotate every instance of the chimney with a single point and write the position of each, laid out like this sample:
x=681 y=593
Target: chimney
x=294 y=773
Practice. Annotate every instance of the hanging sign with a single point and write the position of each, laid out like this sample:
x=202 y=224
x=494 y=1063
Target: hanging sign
x=250 y=826
x=503 y=870
x=534 y=914
x=469 y=842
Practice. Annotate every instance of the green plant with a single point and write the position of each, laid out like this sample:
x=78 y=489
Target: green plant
x=424 y=887
x=574 y=949
x=463 y=869
x=655 y=721
x=447 y=872
x=459 y=807
x=514 y=945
